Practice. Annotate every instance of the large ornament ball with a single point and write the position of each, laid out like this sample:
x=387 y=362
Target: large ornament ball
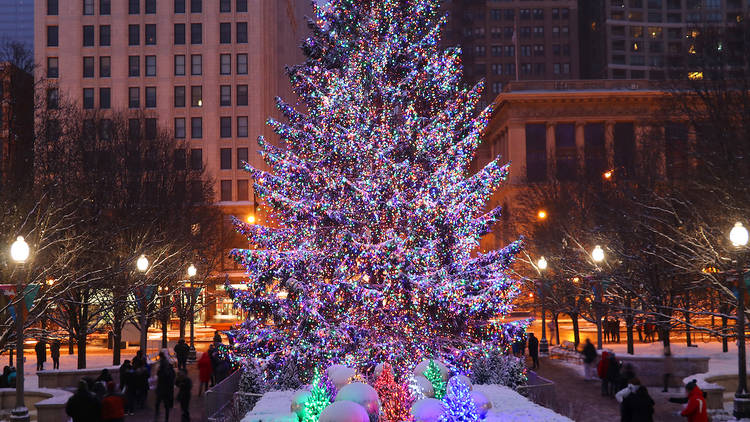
x=482 y=403
x=452 y=384
x=422 y=367
x=340 y=375
x=425 y=385
x=344 y=411
x=362 y=394
x=298 y=403
x=427 y=410
x=378 y=370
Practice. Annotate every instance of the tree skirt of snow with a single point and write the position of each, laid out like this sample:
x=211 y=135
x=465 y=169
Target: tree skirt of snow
x=274 y=406
x=509 y=406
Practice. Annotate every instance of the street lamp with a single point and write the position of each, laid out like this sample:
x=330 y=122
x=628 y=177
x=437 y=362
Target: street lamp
x=142 y=265
x=598 y=256
x=191 y=272
x=542 y=267
x=19 y=252
x=739 y=237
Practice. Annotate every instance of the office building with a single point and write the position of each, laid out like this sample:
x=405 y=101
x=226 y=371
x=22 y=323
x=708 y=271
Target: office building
x=16 y=127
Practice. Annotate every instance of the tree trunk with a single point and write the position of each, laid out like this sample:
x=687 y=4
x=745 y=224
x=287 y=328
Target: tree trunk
x=629 y=325
x=144 y=331
x=164 y=326
x=688 y=341
x=71 y=343
x=576 y=333
x=724 y=340
x=556 y=317
x=183 y=323
x=117 y=338
x=665 y=340
x=81 y=350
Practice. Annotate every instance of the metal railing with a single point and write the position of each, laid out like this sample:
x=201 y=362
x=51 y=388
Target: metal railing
x=221 y=395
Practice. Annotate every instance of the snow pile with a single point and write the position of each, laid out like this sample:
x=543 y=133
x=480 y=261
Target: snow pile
x=509 y=406
x=274 y=406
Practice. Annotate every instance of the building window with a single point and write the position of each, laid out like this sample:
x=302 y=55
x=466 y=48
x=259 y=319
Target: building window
x=180 y=159
x=497 y=69
x=196 y=6
x=225 y=61
x=196 y=159
x=556 y=68
x=565 y=150
x=566 y=68
x=242 y=190
x=594 y=151
x=179 y=96
x=196 y=64
x=150 y=34
x=150 y=129
x=88 y=98
x=241 y=157
x=88 y=67
x=196 y=33
x=225 y=158
x=242 y=64
x=52 y=8
x=225 y=127
x=539 y=68
x=134 y=97
x=539 y=14
x=105 y=98
x=510 y=50
x=225 y=96
x=536 y=152
x=134 y=66
x=150 y=65
x=539 y=50
x=88 y=7
x=242 y=32
x=179 y=128
x=134 y=34
x=150 y=97
x=226 y=190
x=565 y=13
x=242 y=127
x=52 y=40
x=241 y=6
x=526 y=68
x=53 y=98
x=105 y=7
x=150 y=7
x=179 y=65
x=196 y=127
x=53 y=67
x=225 y=6
x=179 y=6
x=88 y=35
x=624 y=146
x=134 y=7
x=179 y=33
x=196 y=96
x=225 y=33
x=241 y=95
x=105 y=38
x=134 y=129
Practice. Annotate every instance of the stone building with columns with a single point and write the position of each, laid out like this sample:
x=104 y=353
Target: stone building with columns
x=571 y=130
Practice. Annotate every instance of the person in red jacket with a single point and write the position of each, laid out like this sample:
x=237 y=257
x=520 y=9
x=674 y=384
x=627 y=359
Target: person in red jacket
x=695 y=411
x=204 y=372
x=601 y=370
x=113 y=405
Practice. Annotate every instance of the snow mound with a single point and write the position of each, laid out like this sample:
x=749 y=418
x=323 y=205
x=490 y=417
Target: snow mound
x=274 y=406
x=509 y=406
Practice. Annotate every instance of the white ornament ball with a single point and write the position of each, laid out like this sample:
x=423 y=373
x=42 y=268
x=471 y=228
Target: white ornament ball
x=378 y=370
x=344 y=411
x=463 y=378
x=425 y=385
x=482 y=403
x=444 y=372
x=298 y=403
x=362 y=394
x=427 y=410
x=340 y=375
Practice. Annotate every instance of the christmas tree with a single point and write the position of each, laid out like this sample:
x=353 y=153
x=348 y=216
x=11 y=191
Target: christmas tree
x=432 y=373
x=370 y=250
x=318 y=400
x=458 y=403
x=395 y=398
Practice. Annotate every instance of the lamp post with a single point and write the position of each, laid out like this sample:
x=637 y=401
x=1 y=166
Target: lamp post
x=598 y=256
x=142 y=265
x=739 y=237
x=19 y=252
x=541 y=265
x=191 y=272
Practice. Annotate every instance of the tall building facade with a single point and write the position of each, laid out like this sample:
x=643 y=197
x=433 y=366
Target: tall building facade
x=507 y=40
x=207 y=70
x=17 y=21
x=16 y=127
x=653 y=39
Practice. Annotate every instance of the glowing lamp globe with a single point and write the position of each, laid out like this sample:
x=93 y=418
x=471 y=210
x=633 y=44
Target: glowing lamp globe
x=542 y=264
x=251 y=219
x=598 y=254
x=19 y=250
x=142 y=264
x=192 y=271
x=738 y=236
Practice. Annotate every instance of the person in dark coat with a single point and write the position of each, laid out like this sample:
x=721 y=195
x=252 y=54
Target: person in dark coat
x=83 y=406
x=104 y=376
x=534 y=350
x=41 y=354
x=182 y=351
x=638 y=406
x=164 y=387
x=139 y=359
x=589 y=358
x=613 y=375
x=185 y=385
x=138 y=385
x=54 y=351
x=217 y=337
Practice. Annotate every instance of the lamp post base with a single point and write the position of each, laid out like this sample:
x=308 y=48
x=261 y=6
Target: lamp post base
x=741 y=406
x=543 y=347
x=20 y=414
x=192 y=354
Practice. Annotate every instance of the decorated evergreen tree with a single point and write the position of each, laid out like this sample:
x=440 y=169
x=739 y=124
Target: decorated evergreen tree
x=395 y=398
x=458 y=404
x=318 y=400
x=369 y=253
x=432 y=373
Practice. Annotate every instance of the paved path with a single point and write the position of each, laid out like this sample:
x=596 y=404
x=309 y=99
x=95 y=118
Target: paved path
x=582 y=401
x=196 y=404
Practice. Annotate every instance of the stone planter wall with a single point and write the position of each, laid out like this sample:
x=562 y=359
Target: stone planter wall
x=69 y=378
x=45 y=405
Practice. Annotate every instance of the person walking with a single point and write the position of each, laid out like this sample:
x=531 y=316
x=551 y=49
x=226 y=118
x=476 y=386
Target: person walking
x=41 y=354
x=638 y=406
x=534 y=350
x=616 y=330
x=185 y=386
x=695 y=410
x=667 y=370
x=182 y=351
x=589 y=358
x=613 y=375
x=217 y=337
x=54 y=351
x=83 y=406
x=204 y=372
x=164 y=387
x=629 y=389
x=113 y=405
x=601 y=371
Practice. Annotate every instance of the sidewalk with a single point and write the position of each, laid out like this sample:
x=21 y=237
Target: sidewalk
x=582 y=401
